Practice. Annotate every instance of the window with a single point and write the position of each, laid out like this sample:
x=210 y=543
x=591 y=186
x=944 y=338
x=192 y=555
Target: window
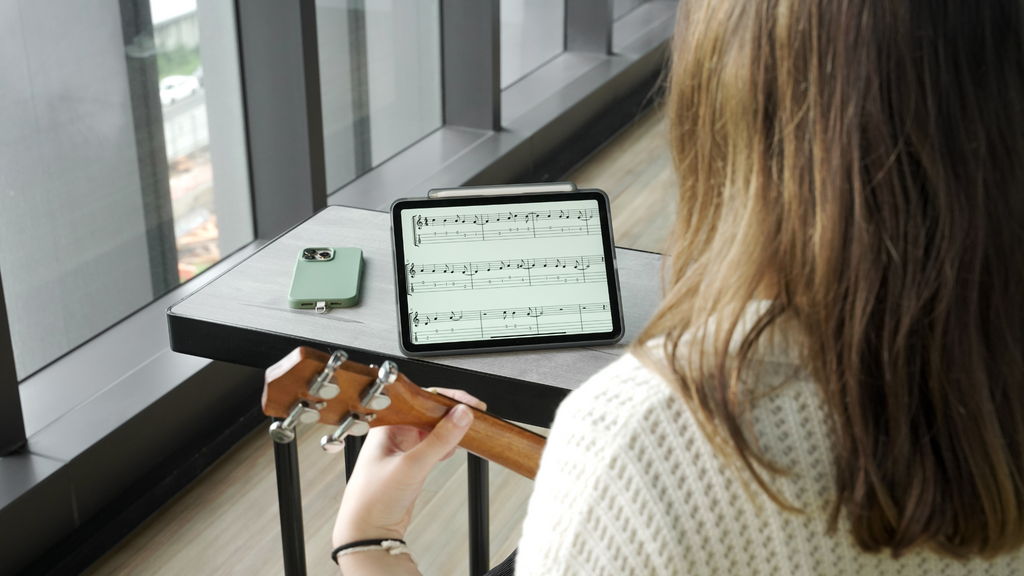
x=380 y=80
x=123 y=169
x=532 y=32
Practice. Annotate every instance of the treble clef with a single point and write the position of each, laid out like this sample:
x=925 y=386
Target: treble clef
x=418 y=221
x=411 y=269
x=416 y=319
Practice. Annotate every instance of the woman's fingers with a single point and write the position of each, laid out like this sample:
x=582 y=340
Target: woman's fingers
x=445 y=437
x=460 y=396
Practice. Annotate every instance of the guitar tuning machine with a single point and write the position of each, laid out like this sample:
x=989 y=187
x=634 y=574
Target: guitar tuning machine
x=322 y=387
x=352 y=425
x=375 y=398
x=283 y=431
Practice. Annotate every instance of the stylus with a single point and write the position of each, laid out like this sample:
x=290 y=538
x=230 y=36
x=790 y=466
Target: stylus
x=438 y=193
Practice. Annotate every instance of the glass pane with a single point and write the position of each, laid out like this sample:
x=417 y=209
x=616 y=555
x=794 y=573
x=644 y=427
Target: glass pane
x=342 y=75
x=380 y=80
x=532 y=32
x=620 y=7
x=116 y=183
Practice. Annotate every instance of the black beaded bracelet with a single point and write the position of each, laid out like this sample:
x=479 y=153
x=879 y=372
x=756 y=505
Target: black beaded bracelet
x=379 y=542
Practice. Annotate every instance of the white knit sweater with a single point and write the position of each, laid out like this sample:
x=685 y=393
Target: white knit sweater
x=628 y=484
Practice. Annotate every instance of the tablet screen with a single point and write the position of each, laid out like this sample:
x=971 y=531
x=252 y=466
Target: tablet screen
x=490 y=273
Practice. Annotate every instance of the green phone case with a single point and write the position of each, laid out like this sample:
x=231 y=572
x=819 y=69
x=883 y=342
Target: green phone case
x=334 y=281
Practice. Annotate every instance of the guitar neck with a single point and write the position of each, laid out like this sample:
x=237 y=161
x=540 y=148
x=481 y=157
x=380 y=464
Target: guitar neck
x=504 y=443
x=489 y=437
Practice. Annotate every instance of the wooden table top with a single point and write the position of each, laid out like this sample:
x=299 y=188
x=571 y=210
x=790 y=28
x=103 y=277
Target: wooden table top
x=243 y=317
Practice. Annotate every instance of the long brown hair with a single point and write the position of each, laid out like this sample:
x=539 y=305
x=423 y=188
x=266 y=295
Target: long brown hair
x=864 y=161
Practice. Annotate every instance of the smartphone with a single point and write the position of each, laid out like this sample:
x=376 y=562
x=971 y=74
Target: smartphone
x=326 y=278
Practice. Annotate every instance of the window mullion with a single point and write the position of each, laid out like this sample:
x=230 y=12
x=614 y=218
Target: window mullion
x=284 y=119
x=588 y=26
x=12 y=422
x=143 y=90
x=471 y=63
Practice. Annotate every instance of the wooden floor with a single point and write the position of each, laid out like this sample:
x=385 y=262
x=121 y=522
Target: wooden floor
x=226 y=522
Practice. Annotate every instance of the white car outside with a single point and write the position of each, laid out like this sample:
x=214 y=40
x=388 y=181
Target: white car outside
x=174 y=88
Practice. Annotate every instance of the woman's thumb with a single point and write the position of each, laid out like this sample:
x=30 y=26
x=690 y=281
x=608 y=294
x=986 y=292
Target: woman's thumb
x=445 y=436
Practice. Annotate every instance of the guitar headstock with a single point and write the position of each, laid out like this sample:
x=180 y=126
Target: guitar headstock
x=310 y=386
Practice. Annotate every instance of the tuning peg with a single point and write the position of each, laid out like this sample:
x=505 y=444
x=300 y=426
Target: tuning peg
x=328 y=390
x=332 y=446
x=350 y=426
x=283 y=431
x=280 y=434
x=388 y=372
x=322 y=387
x=375 y=398
x=309 y=415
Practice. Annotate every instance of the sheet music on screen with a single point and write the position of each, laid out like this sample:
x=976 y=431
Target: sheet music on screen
x=491 y=272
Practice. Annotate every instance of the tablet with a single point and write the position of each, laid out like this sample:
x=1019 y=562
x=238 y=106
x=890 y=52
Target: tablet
x=524 y=271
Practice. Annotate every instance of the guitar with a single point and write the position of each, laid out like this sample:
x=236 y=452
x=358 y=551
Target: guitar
x=309 y=386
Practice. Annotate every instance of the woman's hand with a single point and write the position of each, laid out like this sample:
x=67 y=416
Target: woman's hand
x=389 y=473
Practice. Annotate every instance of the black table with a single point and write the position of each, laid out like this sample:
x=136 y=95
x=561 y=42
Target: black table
x=242 y=317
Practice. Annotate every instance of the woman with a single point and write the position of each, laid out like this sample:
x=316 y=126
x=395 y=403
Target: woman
x=835 y=380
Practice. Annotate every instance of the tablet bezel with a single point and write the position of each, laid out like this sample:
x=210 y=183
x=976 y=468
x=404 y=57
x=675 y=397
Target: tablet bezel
x=410 y=348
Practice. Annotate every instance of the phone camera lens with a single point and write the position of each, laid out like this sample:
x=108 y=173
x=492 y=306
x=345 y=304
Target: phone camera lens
x=324 y=255
x=309 y=253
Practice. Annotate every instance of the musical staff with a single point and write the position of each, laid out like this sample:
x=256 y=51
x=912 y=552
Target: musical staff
x=498 y=323
x=482 y=270
x=511 y=273
x=503 y=226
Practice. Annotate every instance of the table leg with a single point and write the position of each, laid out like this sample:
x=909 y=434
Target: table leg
x=353 y=444
x=479 y=523
x=289 y=501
